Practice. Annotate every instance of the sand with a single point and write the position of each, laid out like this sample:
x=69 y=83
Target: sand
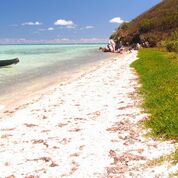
x=88 y=128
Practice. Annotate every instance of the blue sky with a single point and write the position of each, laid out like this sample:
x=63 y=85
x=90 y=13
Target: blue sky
x=35 y=21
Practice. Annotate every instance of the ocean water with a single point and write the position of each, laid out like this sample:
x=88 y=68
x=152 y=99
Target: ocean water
x=39 y=61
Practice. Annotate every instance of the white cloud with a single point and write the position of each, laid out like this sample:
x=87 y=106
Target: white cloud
x=44 y=29
x=89 y=27
x=50 y=29
x=63 y=22
x=32 y=23
x=117 y=20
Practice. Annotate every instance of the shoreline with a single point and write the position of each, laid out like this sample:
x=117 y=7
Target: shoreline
x=19 y=99
x=89 y=127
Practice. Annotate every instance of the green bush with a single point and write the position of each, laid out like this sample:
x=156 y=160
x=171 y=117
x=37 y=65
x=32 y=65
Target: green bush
x=174 y=35
x=172 y=46
x=153 y=38
x=170 y=20
x=145 y=26
x=124 y=26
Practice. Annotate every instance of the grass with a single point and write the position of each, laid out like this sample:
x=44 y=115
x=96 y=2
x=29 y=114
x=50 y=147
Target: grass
x=171 y=158
x=159 y=161
x=158 y=72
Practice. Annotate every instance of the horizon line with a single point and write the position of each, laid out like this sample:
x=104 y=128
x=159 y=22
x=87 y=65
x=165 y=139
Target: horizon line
x=50 y=43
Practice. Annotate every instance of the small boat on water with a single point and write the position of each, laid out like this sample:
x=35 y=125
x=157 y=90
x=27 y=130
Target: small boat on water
x=8 y=62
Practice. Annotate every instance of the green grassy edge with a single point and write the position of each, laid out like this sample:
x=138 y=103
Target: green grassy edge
x=158 y=71
x=159 y=77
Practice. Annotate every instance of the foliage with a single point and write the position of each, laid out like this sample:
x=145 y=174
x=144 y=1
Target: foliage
x=159 y=77
x=176 y=157
x=145 y=25
x=156 y=25
x=152 y=38
x=172 y=46
x=170 y=20
x=113 y=35
x=120 y=32
x=124 y=26
x=174 y=35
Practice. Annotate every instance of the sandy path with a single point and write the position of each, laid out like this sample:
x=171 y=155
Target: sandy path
x=85 y=129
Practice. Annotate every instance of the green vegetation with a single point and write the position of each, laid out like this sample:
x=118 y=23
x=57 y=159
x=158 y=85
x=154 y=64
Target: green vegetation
x=154 y=26
x=172 y=46
x=159 y=161
x=172 y=158
x=145 y=25
x=159 y=76
x=158 y=72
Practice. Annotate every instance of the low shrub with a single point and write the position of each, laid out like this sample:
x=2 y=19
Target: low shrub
x=172 y=46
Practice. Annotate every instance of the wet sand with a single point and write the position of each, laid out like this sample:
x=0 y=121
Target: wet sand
x=24 y=93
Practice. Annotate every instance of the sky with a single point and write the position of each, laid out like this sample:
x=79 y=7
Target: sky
x=65 y=21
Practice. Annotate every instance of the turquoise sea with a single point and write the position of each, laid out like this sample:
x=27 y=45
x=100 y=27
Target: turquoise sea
x=40 y=61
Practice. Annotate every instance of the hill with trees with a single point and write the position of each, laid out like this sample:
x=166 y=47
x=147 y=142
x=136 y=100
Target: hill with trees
x=158 y=26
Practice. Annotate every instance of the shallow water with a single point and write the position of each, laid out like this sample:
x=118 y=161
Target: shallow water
x=40 y=61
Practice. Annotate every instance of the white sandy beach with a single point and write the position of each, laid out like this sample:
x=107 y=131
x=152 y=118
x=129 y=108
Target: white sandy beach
x=88 y=128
